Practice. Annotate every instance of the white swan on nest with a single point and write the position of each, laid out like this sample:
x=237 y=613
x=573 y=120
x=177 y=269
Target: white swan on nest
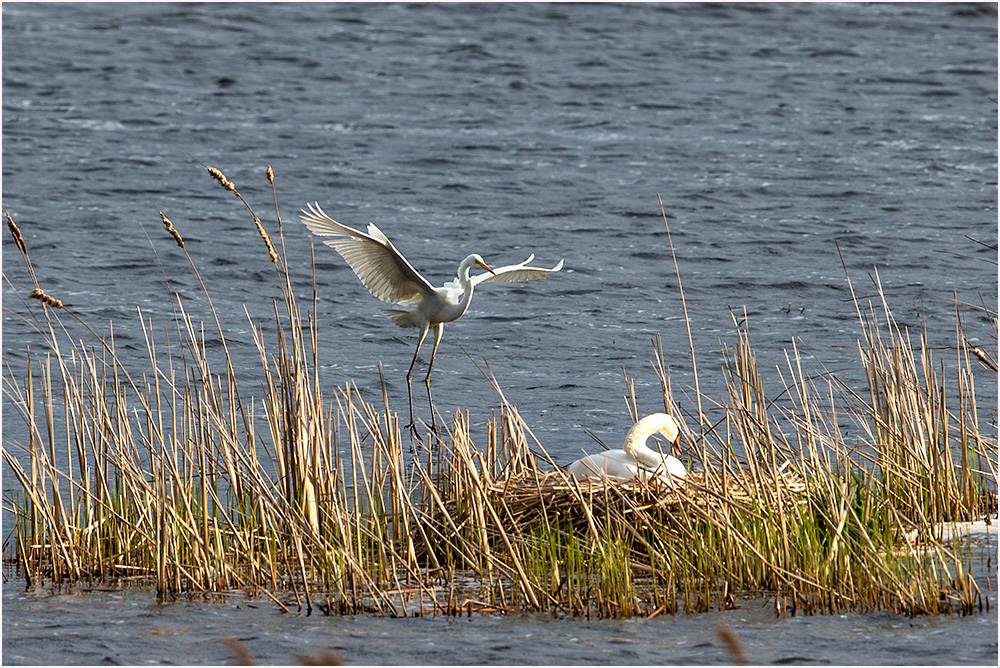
x=636 y=461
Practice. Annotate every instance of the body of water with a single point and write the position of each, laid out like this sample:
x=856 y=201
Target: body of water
x=781 y=138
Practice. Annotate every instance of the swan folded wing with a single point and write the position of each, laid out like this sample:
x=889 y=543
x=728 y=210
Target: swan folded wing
x=594 y=466
x=671 y=466
x=516 y=272
x=381 y=268
x=612 y=464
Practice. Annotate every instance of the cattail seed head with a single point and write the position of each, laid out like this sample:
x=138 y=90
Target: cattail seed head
x=270 y=175
x=40 y=295
x=16 y=233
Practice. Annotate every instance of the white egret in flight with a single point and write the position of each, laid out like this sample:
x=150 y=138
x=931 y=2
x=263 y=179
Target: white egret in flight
x=387 y=275
x=636 y=461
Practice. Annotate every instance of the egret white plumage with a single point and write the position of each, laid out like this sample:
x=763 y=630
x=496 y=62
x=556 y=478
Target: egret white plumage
x=636 y=460
x=387 y=275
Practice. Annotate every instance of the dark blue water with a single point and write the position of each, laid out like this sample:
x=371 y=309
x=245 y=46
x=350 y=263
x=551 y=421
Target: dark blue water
x=133 y=629
x=775 y=134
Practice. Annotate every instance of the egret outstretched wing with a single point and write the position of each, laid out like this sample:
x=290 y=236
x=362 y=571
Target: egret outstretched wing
x=516 y=272
x=381 y=268
x=387 y=275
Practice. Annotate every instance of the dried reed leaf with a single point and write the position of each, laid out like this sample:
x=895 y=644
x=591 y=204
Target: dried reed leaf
x=984 y=358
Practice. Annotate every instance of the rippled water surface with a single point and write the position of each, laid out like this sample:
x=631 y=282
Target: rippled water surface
x=112 y=627
x=775 y=134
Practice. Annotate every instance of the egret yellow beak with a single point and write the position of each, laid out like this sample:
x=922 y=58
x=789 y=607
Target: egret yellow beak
x=486 y=267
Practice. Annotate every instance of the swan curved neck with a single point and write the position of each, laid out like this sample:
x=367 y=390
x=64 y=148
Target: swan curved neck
x=635 y=442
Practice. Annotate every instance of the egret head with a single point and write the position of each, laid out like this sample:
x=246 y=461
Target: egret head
x=482 y=263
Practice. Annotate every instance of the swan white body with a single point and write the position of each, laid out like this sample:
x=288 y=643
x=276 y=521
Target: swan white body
x=636 y=460
x=387 y=275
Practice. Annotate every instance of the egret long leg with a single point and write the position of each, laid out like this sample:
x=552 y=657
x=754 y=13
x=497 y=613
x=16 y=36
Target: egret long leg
x=438 y=331
x=409 y=374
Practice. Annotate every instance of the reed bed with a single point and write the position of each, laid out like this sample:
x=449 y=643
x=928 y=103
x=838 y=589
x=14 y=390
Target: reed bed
x=163 y=472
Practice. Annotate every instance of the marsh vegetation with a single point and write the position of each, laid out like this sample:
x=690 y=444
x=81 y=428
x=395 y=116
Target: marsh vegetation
x=162 y=469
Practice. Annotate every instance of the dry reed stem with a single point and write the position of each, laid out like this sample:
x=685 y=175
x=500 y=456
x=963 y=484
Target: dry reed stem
x=687 y=321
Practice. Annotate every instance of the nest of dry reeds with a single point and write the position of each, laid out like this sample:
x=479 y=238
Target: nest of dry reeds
x=533 y=494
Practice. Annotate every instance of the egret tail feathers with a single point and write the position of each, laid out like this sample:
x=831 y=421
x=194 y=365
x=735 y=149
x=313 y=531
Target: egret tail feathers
x=400 y=317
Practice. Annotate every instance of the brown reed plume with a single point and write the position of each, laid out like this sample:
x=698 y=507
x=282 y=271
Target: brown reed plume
x=732 y=644
x=983 y=357
x=170 y=228
x=221 y=178
x=41 y=296
x=16 y=233
x=267 y=240
x=243 y=656
x=231 y=187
